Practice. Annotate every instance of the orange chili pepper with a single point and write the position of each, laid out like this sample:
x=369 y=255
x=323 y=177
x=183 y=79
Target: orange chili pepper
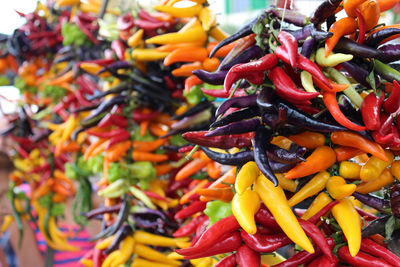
x=186 y=69
x=117 y=151
x=190 y=168
x=308 y=139
x=213 y=170
x=282 y=142
x=172 y=47
x=345 y=153
x=163 y=169
x=144 y=125
x=60 y=189
x=92 y=147
x=108 y=216
x=357 y=141
x=224 y=194
x=185 y=198
x=351 y=5
x=340 y=28
x=322 y=158
x=191 y=81
x=65 y=78
x=156 y=130
x=165 y=119
x=228 y=178
x=150 y=146
x=58 y=198
x=385 y=5
x=371 y=13
x=145 y=156
x=186 y=54
x=336 y=87
x=99 y=149
x=211 y=64
x=223 y=51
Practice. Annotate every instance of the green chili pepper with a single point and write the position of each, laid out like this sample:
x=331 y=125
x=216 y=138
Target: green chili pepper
x=217 y=210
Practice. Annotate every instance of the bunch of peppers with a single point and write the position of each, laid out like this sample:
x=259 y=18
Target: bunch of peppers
x=302 y=150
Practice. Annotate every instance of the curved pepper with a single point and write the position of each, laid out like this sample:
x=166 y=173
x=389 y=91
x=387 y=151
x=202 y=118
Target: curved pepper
x=275 y=200
x=383 y=180
x=245 y=256
x=246 y=177
x=290 y=44
x=370 y=110
x=308 y=139
x=371 y=11
x=180 y=12
x=342 y=27
x=350 y=222
x=338 y=188
x=332 y=60
x=322 y=158
x=375 y=166
x=349 y=170
x=244 y=207
x=318 y=203
x=196 y=34
x=350 y=6
x=314 y=186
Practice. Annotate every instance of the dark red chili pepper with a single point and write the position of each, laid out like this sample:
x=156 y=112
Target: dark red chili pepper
x=290 y=43
x=392 y=103
x=139 y=116
x=22 y=152
x=223 y=141
x=146 y=16
x=109 y=134
x=193 y=208
x=81 y=98
x=264 y=217
x=124 y=135
x=252 y=71
x=201 y=228
x=125 y=23
x=366 y=215
x=119 y=120
x=316 y=217
x=155 y=196
x=83 y=27
x=119 y=48
x=324 y=261
x=265 y=243
x=59 y=164
x=150 y=25
x=189 y=228
x=373 y=248
x=304 y=64
x=361 y=26
x=370 y=110
x=229 y=261
x=103 y=61
x=245 y=256
x=211 y=235
x=227 y=243
x=286 y=88
x=361 y=259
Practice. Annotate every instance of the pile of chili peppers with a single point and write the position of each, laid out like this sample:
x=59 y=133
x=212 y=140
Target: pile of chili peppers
x=229 y=150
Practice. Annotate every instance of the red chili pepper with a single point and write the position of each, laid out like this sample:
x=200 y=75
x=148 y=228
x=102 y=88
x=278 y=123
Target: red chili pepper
x=59 y=164
x=125 y=23
x=105 y=121
x=124 y=135
x=109 y=134
x=97 y=257
x=361 y=259
x=361 y=27
x=386 y=123
x=227 y=243
x=370 y=110
x=193 y=208
x=316 y=217
x=222 y=141
x=87 y=84
x=252 y=71
x=211 y=235
x=264 y=217
x=265 y=243
x=82 y=26
x=190 y=227
x=290 y=43
x=366 y=215
x=222 y=93
x=119 y=120
x=304 y=64
x=333 y=107
x=155 y=196
x=392 y=103
x=22 y=152
x=324 y=261
x=139 y=116
x=150 y=25
x=119 y=48
x=229 y=261
x=373 y=248
x=146 y=16
x=286 y=88
x=201 y=228
x=308 y=109
x=245 y=256
x=103 y=61
x=81 y=98
x=169 y=82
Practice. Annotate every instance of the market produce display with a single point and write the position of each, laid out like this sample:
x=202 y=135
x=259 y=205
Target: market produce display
x=209 y=149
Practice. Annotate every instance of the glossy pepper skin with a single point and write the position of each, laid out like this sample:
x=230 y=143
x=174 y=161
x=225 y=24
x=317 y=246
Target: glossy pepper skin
x=318 y=203
x=246 y=177
x=392 y=103
x=290 y=43
x=245 y=256
x=350 y=222
x=373 y=248
x=223 y=141
x=265 y=243
x=229 y=261
x=370 y=110
x=361 y=259
x=244 y=207
x=384 y=179
x=274 y=198
x=375 y=166
x=338 y=188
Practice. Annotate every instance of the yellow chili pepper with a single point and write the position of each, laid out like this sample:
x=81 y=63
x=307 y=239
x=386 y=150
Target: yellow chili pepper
x=331 y=60
x=180 y=12
x=202 y=262
x=153 y=255
x=8 y=219
x=338 y=188
x=218 y=34
x=62 y=3
x=111 y=258
x=86 y=262
x=157 y=240
x=282 y=142
x=244 y=207
x=105 y=243
x=350 y=222
x=374 y=167
x=275 y=200
x=138 y=262
x=318 y=203
x=307 y=81
x=136 y=38
x=126 y=250
x=288 y=185
x=395 y=169
x=349 y=170
x=207 y=18
x=147 y=54
x=313 y=187
x=196 y=34
x=272 y=259
x=386 y=178
x=246 y=177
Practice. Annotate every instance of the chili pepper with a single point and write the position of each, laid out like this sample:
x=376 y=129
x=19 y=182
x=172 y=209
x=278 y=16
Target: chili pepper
x=246 y=177
x=286 y=88
x=318 y=204
x=274 y=198
x=372 y=201
x=342 y=27
x=248 y=54
x=240 y=127
x=223 y=94
x=369 y=246
x=237 y=102
x=245 y=256
x=180 y=12
x=278 y=154
x=384 y=179
x=338 y=188
x=308 y=139
x=356 y=141
x=265 y=243
x=386 y=72
x=235 y=116
x=193 y=208
x=359 y=73
x=394 y=200
x=344 y=212
x=215 y=78
x=346 y=153
x=235 y=159
x=290 y=16
x=195 y=34
x=392 y=103
x=314 y=186
x=216 y=232
x=376 y=38
x=322 y=158
x=229 y=261
x=244 y=207
x=323 y=11
x=375 y=166
x=186 y=54
x=370 y=110
x=390 y=53
x=189 y=228
x=361 y=259
x=224 y=141
x=290 y=44
x=349 y=170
